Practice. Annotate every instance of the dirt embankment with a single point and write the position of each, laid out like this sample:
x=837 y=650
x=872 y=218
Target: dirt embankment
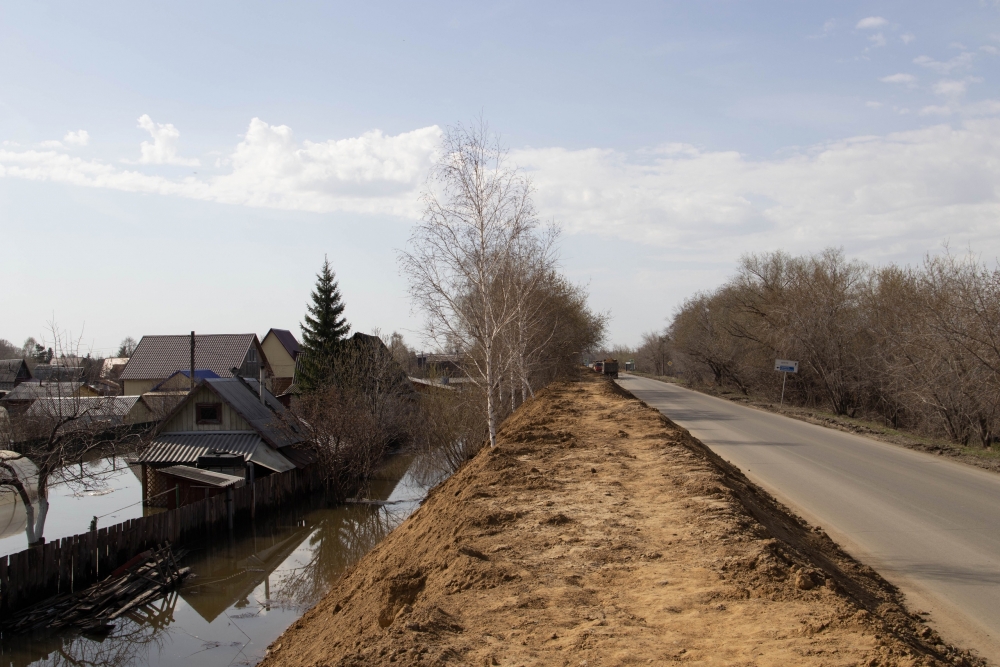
x=599 y=533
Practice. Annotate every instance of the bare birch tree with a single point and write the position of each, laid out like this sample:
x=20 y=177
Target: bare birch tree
x=478 y=213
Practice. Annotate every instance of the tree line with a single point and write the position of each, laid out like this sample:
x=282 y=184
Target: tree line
x=915 y=347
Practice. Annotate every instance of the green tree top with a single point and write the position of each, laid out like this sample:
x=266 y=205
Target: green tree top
x=323 y=330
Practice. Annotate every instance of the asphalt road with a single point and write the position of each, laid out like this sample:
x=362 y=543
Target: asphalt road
x=929 y=525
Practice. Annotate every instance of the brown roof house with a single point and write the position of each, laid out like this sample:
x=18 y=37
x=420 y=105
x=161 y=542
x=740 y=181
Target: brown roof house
x=228 y=417
x=158 y=357
x=282 y=352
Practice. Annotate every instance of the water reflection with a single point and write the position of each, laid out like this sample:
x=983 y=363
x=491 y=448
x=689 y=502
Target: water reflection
x=245 y=590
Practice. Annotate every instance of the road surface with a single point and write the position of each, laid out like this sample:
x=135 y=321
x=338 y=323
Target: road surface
x=929 y=525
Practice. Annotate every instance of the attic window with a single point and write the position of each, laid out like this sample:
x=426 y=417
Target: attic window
x=208 y=413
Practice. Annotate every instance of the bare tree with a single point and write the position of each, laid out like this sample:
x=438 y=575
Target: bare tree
x=478 y=213
x=62 y=433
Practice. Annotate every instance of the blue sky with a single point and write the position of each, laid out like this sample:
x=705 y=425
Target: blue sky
x=185 y=167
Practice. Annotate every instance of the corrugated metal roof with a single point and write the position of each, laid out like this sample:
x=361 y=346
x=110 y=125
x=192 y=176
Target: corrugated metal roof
x=94 y=406
x=206 y=477
x=287 y=340
x=180 y=448
x=241 y=394
x=187 y=447
x=30 y=391
x=158 y=357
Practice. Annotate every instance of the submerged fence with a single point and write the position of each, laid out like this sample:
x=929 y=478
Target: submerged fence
x=73 y=563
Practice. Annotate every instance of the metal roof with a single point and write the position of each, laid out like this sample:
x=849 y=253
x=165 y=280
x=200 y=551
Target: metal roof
x=96 y=407
x=180 y=448
x=199 y=374
x=206 y=477
x=158 y=357
x=11 y=370
x=266 y=418
x=30 y=391
x=287 y=340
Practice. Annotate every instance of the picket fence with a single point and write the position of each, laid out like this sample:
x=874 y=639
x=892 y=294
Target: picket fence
x=73 y=563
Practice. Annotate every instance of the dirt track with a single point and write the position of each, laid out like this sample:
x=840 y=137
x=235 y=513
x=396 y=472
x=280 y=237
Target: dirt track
x=598 y=533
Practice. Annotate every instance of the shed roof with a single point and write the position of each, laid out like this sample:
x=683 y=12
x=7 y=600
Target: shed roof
x=206 y=477
x=180 y=448
x=11 y=370
x=287 y=340
x=30 y=391
x=158 y=357
x=95 y=407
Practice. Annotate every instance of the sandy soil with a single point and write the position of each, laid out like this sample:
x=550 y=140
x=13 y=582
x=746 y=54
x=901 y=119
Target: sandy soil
x=599 y=533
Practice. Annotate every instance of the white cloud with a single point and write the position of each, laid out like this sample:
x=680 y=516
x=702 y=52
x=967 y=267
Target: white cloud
x=163 y=148
x=936 y=111
x=873 y=105
x=982 y=108
x=961 y=61
x=907 y=189
x=373 y=173
x=52 y=144
x=992 y=50
x=906 y=38
x=78 y=138
x=899 y=78
x=910 y=188
x=950 y=88
x=871 y=22
x=877 y=40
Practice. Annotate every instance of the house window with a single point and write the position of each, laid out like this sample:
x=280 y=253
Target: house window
x=209 y=413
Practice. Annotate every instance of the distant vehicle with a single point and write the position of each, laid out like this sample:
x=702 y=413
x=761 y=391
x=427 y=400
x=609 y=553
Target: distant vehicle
x=610 y=368
x=599 y=366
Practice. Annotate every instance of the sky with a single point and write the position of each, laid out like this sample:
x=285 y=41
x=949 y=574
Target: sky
x=187 y=166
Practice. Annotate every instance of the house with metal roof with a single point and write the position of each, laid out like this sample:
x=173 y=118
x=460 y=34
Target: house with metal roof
x=167 y=395
x=12 y=373
x=158 y=357
x=110 y=410
x=23 y=395
x=230 y=415
x=282 y=352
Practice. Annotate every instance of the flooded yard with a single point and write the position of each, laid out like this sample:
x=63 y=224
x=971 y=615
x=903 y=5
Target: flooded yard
x=245 y=589
x=71 y=509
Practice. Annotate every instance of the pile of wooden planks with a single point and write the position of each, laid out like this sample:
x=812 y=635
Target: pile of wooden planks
x=139 y=581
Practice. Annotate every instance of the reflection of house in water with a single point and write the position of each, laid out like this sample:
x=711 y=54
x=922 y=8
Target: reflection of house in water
x=228 y=575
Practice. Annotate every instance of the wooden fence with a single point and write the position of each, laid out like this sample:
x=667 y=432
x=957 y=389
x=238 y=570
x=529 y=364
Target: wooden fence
x=73 y=563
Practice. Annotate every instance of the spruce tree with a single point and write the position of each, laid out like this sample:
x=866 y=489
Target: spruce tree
x=323 y=331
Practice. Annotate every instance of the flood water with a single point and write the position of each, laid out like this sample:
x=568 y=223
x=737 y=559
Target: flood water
x=118 y=498
x=245 y=590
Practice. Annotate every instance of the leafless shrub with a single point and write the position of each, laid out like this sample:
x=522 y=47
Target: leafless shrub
x=915 y=347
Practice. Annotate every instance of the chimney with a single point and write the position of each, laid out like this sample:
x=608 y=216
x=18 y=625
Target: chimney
x=192 y=361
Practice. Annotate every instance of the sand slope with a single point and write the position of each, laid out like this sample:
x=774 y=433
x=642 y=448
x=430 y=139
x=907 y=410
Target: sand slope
x=598 y=533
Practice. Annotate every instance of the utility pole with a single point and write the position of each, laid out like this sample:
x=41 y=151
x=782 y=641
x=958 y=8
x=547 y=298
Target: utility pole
x=192 y=361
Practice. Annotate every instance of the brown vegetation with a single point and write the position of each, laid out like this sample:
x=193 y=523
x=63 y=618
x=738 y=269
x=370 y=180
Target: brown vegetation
x=598 y=533
x=913 y=348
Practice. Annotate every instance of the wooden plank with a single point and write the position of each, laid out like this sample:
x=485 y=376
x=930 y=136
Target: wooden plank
x=65 y=565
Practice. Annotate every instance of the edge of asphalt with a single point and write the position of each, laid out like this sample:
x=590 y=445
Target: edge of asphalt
x=945 y=617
